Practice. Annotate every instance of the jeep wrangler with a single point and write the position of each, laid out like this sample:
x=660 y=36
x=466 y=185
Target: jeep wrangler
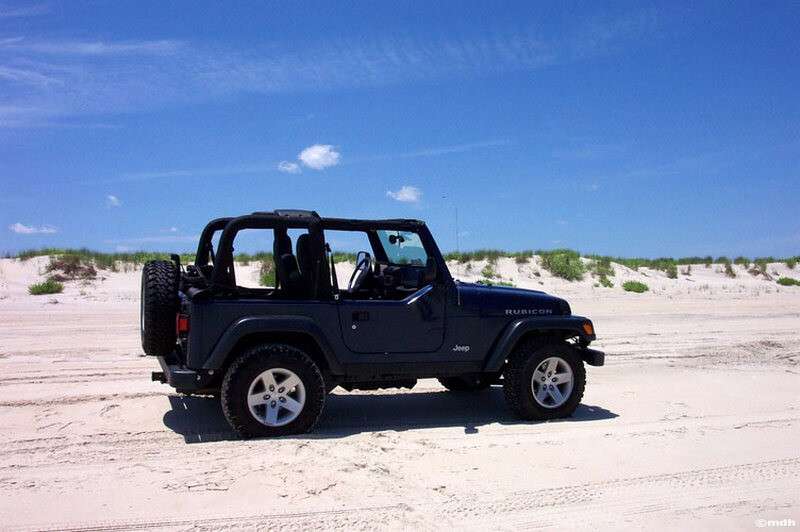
x=272 y=353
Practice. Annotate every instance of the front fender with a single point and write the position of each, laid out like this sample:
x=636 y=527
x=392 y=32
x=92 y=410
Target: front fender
x=248 y=325
x=517 y=329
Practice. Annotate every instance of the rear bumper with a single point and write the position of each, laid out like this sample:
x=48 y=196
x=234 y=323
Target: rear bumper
x=593 y=357
x=181 y=378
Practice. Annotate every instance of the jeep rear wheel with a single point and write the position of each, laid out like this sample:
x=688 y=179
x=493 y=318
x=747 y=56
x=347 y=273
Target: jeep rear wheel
x=158 y=307
x=465 y=384
x=272 y=390
x=544 y=381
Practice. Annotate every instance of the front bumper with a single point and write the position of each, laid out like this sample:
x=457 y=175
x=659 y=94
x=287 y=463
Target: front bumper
x=181 y=378
x=593 y=357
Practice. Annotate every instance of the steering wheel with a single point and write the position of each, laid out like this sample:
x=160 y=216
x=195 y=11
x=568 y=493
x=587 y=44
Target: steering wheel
x=363 y=268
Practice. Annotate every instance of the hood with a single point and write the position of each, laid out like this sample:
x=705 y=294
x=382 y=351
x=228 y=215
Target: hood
x=511 y=302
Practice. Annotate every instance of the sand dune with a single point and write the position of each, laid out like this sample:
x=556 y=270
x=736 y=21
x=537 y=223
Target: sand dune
x=694 y=422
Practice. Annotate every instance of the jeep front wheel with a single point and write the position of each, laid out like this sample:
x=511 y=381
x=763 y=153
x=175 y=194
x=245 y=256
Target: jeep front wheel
x=544 y=382
x=272 y=390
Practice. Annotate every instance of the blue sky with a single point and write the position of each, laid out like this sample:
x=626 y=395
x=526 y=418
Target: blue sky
x=621 y=128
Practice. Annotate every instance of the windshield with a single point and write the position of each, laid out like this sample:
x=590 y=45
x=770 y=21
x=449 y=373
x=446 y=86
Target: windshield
x=403 y=247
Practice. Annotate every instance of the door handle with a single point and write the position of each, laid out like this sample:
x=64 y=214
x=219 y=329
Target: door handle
x=361 y=316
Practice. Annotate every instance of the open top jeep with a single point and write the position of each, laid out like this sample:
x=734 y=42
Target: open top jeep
x=273 y=353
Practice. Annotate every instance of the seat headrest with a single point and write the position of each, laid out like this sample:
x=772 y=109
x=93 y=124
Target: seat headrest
x=282 y=244
x=303 y=249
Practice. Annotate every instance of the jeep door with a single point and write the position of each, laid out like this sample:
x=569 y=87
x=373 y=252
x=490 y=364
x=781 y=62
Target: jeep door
x=413 y=322
x=412 y=325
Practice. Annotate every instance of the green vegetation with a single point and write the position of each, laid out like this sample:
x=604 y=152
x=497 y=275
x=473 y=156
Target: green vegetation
x=729 y=270
x=266 y=276
x=83 y=264
x=522 y=257
x=788 y=281
x=343 y=256
x=489 y=272
x=601 y=268
x=563 y=263
x=101 y=261
x=244 y=258
x=50 y=286
x=489 y=282
x=479 y=254
x=760 y=267
x=70 y=268
x=605 y=281
x=635 y=286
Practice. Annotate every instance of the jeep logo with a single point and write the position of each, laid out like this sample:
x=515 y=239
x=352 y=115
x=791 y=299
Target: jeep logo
x=461 y=348
x=528 y=311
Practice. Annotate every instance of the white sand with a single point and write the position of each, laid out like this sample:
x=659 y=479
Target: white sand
x=693 y=423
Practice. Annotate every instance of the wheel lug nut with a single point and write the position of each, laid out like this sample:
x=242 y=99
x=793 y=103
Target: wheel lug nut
x=280 y=390
x=271 y=388
x=266 y=397
x=272 y=404
x=283 y=399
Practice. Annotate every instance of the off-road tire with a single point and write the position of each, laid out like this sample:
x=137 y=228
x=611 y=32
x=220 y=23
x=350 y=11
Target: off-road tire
x=519 y=371
x=158 y=307
x=248 y=366
x=465 y=384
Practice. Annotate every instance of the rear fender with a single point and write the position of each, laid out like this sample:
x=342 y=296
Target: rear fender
x=252 y=325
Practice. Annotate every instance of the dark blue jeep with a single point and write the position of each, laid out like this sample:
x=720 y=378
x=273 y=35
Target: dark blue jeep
x=273 y=353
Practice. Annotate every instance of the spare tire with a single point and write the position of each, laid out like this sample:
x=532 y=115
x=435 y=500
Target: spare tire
x=158 y=307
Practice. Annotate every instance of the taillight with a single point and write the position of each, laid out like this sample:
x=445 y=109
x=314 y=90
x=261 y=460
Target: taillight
x=182 y=323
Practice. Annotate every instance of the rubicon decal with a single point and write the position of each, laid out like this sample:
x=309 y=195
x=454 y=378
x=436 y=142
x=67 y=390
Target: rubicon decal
x=528 y=311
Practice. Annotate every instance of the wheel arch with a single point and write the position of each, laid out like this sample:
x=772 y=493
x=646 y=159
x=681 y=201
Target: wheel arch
x=300 y=332
x=542 y=329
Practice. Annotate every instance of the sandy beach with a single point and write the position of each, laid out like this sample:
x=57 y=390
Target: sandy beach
x=694 y=422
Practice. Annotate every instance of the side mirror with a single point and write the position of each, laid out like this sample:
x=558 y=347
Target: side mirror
x=430 y=272
x=361 y=257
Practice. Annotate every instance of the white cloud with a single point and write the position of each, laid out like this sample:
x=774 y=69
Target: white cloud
x=173 y=229
x=319 y=156
x=406 y=194
x=143 y=75
x=22 y=229
x=112 y=201
x=289 y=167
x=26 y=11
x=26 y=76
x=96 y=48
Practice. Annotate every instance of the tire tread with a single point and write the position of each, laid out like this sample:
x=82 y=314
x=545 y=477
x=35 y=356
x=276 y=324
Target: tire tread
x=516 y=383
x=229 y=390
x=160 y=305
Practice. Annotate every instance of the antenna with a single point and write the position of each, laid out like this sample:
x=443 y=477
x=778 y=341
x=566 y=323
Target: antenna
x=457 y=246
